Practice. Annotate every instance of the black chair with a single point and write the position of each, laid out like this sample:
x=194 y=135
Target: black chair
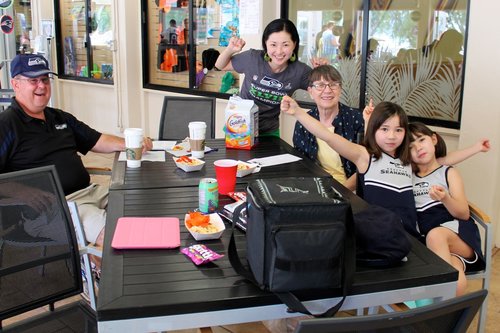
x=453 y=315
x=177 y=112
x=44 y=266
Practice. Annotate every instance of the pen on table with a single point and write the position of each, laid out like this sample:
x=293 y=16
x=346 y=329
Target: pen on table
x=211 y=150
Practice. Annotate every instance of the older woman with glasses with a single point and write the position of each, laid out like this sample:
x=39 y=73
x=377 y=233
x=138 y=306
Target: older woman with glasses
x=325 y=88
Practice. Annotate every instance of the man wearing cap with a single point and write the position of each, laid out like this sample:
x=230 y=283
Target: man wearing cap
x=33 y=134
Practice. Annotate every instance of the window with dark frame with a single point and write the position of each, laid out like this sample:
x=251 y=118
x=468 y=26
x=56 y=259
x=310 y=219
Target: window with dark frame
x=410 y=52
x=179 y=61
x=84 y=30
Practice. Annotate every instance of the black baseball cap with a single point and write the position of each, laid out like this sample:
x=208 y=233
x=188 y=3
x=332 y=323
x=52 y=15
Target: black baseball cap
x=29 y=65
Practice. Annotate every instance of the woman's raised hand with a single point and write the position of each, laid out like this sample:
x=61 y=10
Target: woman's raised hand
x=236 y=44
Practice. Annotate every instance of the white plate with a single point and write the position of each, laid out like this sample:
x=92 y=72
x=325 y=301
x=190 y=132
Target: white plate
x=187 y=167
x=215 y=220
x=183 y=148
x=251 y=168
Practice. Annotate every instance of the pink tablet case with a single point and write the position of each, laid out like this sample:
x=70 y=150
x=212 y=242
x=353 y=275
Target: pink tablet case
x=146 y=233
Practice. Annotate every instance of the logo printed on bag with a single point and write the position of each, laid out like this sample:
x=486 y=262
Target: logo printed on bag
x=289 y=189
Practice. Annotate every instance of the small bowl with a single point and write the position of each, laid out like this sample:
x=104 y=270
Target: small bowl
x=244 y=169
x=215 y=220
x=198 y=164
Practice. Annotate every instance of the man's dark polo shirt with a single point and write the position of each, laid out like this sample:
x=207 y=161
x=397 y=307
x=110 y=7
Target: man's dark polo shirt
x=27 y=142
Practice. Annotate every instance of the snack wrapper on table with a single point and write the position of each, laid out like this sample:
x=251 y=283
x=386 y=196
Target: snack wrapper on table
x=238 y=196
x=200 y=254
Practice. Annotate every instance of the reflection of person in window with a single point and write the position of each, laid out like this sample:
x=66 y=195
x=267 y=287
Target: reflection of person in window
x=449 y=45
x=182 y=33
x=372 y=47
x=346 y=45
x=329 y=42
x=317 y=41
x=169 y=35
x=172 y=51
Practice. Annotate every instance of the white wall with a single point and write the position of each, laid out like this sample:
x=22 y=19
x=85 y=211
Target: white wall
x=128 y=104
x=96 y=103
x=481 y=111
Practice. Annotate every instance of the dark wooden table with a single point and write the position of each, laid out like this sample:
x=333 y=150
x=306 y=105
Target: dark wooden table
x=162 y=290
x=166 y=174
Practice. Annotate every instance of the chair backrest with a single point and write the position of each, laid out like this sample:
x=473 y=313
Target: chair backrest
x=177 y=112
x=42 y=265
x=5 y=98
x=452 y=315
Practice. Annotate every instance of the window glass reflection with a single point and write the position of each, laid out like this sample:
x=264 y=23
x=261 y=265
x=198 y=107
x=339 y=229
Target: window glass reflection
x=414 y=52
x=174 y=62
x=417 y=56
x=86 y=37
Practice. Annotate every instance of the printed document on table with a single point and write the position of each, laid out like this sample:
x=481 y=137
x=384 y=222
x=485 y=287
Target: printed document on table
x=163 y=145
x=153 y=156
x=275 y=160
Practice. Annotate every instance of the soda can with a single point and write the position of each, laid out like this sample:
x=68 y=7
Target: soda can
x=208 y=195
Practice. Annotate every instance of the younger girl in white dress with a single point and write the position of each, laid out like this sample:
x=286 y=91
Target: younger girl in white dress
x=442 y=207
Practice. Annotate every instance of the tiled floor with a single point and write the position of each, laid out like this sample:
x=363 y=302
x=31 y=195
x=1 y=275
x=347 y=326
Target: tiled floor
x=106 y=160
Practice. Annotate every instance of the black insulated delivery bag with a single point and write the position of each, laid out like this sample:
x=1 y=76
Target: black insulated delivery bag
x=300 y=236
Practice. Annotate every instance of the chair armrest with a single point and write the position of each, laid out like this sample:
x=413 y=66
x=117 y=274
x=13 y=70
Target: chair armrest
x=98 y=170
x=91 y=249
x=479 y=213
x=94 y=250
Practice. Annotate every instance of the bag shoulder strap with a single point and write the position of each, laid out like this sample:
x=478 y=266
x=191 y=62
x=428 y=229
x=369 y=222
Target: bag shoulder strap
x=234 y=258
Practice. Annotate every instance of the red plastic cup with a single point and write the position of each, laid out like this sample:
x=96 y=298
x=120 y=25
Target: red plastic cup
x=225 y=172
